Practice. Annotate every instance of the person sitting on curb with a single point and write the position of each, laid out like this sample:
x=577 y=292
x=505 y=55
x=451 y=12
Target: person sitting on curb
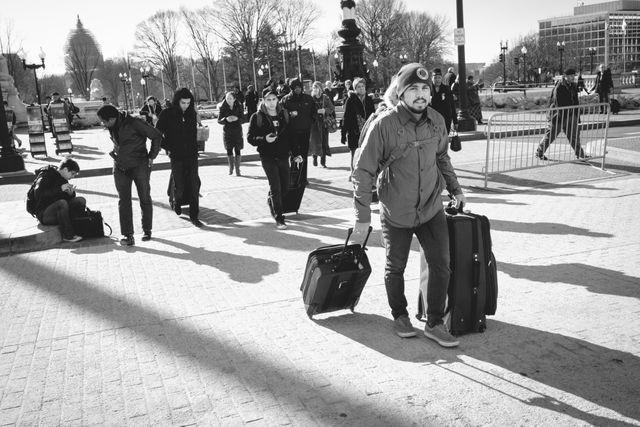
x=56 y=199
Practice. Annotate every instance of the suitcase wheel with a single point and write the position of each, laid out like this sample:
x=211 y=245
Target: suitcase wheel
x=482 y=328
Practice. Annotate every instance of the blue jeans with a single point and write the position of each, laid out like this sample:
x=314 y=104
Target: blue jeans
x=433 y=236
x=59 y=213
x=277 y=171
x=141 y=176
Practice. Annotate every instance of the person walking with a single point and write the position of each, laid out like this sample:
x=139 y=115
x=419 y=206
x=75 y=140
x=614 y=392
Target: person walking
x=409 y=192
x=251 y=100
x=231 y=118
x=449 y=78
x=319 y=137
x=603 y=85
x=132 y=164
x=55 y=198
x=178 y=126
x=302 y=112
x=357 y=110
x=442 y=100
x=564 y=94
x=268 y=131
x=151 y=110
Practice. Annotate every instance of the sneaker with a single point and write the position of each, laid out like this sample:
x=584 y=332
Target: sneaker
x=403 y=327
x=146 y=236
x=315 y=161
x=541 y=156
x=280 y=224
x=177 y=209
x=584 y=158
x=127 y=240
x=439 y=334
x=73 y=239
x=197 y=222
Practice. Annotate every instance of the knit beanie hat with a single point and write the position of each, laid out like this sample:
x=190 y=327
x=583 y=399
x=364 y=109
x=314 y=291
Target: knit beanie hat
x=410 y=74
x=295 y=83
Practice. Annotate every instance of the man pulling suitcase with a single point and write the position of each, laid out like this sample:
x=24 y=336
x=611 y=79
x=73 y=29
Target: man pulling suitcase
x=409 y=189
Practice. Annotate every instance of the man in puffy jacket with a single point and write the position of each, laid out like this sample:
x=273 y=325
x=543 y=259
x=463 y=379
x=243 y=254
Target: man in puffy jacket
x=55 y=199
x=302 y=112
x=132 y=163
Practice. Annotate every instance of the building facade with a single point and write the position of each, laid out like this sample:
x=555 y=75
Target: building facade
x=606 y=33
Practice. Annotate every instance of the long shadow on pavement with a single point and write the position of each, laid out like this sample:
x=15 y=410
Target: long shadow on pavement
x=606 y=377
x=206 y=349
x=595 y=279
x=550 y=228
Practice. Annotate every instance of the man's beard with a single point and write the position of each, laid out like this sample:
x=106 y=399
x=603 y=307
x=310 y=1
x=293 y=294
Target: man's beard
x=416 y=110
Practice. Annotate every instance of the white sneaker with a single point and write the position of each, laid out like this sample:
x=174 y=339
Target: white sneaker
x=74 y=239
x=441 y=335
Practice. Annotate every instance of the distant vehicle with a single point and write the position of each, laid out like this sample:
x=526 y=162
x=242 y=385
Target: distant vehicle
x=510 y=86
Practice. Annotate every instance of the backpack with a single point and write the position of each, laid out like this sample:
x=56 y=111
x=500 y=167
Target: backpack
x=32 y=202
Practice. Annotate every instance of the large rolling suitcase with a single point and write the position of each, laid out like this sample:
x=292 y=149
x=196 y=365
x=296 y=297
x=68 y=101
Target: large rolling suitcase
x=292 y=200
x=615 y=106
x=171 y=188
x=473 y=285
x=335 y=276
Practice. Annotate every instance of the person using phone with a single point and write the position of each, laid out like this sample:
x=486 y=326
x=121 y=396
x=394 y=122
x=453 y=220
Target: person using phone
x=268 y=131
x=231 y=118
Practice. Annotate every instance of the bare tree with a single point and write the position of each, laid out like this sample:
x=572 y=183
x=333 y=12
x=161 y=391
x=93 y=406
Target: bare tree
x=82 y=58
x=10 y=43
x=380 y=22
x=423 y=37
x=108 y=75
x=157 y=43
x=295 y=21
x=205 y=45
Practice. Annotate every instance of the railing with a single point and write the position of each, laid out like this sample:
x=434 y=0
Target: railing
x=514 y=138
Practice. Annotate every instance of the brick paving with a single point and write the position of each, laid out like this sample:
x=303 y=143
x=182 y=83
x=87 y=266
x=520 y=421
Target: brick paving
x=207 y=327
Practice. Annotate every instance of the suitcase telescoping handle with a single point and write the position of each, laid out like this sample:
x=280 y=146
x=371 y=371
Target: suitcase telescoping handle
x=451 y=207
x=364 y=244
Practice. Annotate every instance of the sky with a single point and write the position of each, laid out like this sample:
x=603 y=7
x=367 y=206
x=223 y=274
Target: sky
x=46 y=24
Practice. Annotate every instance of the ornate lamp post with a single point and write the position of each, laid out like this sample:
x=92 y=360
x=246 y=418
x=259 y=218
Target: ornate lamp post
x=143 y=83
x=299 y=50
x=403 y=58
x=22 y=55
x=351 y=48
x=375 y=70
x=592 y=52
x=465 y=122
x=561 y=52
x=524 y=63
x=145 y=73
x=123 y=79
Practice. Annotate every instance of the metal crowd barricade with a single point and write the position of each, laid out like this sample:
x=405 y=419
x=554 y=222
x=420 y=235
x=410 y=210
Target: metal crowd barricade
x=513 y=138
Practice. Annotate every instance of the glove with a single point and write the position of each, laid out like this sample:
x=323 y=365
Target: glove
x=460 y=200
x=360 y=230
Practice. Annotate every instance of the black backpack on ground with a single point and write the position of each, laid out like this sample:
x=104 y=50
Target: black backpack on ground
x=32 y=202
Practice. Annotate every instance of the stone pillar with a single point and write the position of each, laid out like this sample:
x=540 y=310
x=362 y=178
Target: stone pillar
x=10 y=92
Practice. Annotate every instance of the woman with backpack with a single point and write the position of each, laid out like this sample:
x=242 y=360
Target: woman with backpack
x=231 y=118
x=268 y=132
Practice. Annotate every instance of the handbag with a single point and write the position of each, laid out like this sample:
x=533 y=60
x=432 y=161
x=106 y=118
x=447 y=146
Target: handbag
x=89 y=224
x=454 y=141
x=330 y=121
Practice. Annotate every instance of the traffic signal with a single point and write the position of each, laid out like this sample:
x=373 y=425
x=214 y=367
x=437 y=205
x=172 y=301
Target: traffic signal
x=502 y=57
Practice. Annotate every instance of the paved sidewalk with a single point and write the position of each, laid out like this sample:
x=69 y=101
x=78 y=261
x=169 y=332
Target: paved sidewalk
x=207 y=327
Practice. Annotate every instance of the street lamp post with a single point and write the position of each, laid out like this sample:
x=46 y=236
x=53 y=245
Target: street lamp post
x=123 y=79
x=524 y=63
x=465 y=122
x=299 y=66
x=403 y=58
x=592 y=52
x=34 y=67
x=561 y=52
x=516 y=62
x=144 y=72
x=375 y=68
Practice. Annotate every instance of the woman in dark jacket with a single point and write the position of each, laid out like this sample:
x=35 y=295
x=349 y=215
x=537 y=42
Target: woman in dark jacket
x=178 y=125
x=268 y=131
x=151 y=110
x=357 y=110
x=231 y=113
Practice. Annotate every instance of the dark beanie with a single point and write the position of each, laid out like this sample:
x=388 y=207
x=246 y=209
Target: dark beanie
x=437 y=72
x=295 y=83
x=410 y=74
x=268 y=91
x=569 y=71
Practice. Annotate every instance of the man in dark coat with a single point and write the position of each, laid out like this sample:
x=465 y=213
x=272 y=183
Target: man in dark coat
x=302 y=112
x=564 y=94
x=251 y=100
x=603 y=85
x=132 y=163
x=442 y=100
x=178 y=125
x=449 y=78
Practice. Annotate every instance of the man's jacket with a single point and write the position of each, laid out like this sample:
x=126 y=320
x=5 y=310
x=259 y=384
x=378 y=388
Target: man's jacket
x=409 y=188
x=129 y=137
x=306 y=108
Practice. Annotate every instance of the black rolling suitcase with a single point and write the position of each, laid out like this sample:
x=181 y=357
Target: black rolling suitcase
x=292 y=200
x=335 y=277
x=171 y=188
x=473 y=285
x=615 y=106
